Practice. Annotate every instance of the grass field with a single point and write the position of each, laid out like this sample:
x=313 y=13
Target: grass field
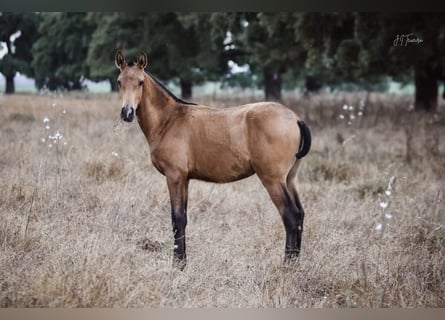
x=85 y=218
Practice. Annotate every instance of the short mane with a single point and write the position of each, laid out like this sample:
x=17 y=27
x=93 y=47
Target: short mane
x=159 y=82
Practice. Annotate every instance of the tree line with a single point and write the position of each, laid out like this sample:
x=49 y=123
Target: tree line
x=305 y=49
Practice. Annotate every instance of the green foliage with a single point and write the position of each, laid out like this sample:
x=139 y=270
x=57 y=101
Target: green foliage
x=359 y=47
x=267 y=42
x=113 y=31
x=179 y=45
x=268 y=39
x=339 y=50
x=206 y=58
x=18 y=57
x=60 y=52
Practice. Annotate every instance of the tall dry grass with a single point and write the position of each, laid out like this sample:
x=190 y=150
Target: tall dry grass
x=86 y=222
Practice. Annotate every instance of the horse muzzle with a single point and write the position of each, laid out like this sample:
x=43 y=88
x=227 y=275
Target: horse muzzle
x=127 y=113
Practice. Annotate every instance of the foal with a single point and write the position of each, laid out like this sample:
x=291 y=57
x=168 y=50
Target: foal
x=189 y=141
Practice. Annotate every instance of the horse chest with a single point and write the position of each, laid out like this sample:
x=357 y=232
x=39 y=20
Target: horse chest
x=169 y=157
x=157 y=164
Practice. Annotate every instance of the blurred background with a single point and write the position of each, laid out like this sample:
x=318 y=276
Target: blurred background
x=85 y=217
x=262 y=54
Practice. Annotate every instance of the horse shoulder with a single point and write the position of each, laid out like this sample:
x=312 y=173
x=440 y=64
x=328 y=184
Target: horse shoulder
x=171 y=151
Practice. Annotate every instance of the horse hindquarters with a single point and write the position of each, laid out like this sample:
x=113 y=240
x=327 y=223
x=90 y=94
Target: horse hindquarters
x=274 y=140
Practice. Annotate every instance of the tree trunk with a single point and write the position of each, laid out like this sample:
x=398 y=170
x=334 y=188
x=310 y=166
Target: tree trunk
x=10 y=87
x=427 y=88
x=186 y=89
x=113 y=85
x=76 y=85
x=311 y=84
x=272 y=83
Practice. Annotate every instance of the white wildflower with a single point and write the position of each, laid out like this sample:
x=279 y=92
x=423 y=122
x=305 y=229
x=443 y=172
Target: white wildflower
x=58 y=136
x=383 y=204
x=114 y=154
x=388 y=215
x=345 y=107
x=351 y=108
x=45 y=120
x=378 y=227
x=341 y=116
x=391 y=181
x=360 y=113
x=47 y=127
x=388 y=192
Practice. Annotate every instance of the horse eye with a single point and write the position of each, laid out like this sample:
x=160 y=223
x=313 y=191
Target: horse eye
x=141 y=82
x=118 y=83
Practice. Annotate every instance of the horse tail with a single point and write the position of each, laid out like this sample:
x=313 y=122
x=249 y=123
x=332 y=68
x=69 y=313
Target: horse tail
x=305 y=140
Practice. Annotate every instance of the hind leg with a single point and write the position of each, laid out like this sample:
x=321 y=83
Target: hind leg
x=300 y=215
x=291 y=186
x=290 y=214
x=273 y=168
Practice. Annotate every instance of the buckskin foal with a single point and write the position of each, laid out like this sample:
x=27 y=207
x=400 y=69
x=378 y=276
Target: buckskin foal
x=189 y=141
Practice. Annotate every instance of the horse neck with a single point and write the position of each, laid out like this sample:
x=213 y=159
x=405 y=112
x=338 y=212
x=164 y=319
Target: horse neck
x=156 y=108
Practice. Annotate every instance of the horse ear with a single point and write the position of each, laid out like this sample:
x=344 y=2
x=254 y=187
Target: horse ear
x=142 y=60
x=120 y=60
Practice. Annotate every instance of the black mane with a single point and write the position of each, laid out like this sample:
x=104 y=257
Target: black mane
x=159 y=82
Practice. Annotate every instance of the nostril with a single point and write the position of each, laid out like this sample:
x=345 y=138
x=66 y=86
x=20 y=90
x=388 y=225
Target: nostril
x=130 y=113
x=127 y=113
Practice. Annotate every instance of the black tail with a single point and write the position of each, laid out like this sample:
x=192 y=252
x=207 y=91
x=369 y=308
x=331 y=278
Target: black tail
x=305 y=142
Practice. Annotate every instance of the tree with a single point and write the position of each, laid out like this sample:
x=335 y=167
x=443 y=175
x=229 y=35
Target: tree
x=370 y=45
x=18 y=32
x=267 y=43
x=131 y=33
x=205 y=59
x=61 y=50
x=179 y=45
x=113 y=31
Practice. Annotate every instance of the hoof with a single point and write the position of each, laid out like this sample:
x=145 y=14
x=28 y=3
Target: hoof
x=291 y=258
x=179 y=264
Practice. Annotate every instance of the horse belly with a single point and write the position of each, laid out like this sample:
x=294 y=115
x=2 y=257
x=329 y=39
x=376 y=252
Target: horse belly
x=221 y=162
x=221 y=165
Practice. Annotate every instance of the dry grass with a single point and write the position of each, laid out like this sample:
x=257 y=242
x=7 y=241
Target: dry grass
x=87 y=224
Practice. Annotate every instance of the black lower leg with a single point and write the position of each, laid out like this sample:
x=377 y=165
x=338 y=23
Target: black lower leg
x=292 y=249
x=300 y=218
x=293 y=223
x=179 y=250
x=179 y=253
